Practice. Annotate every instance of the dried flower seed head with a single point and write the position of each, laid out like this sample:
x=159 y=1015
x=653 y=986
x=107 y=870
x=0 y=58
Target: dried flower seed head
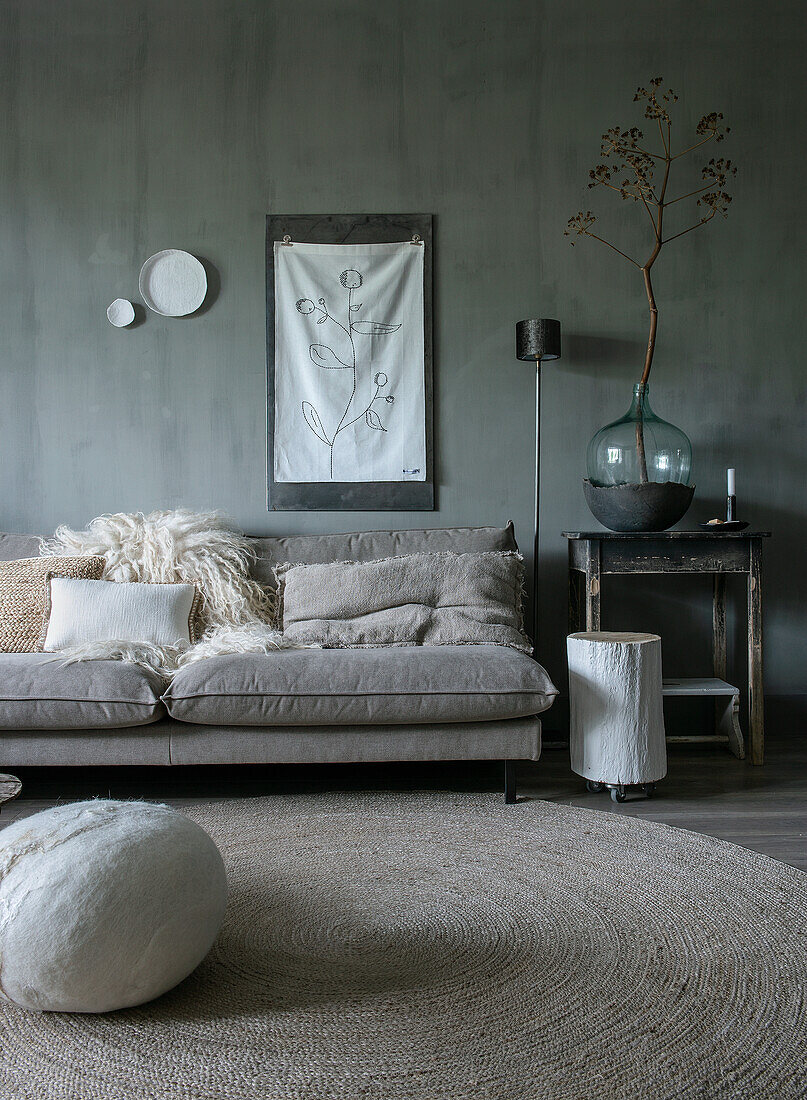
x=579 y=224
x=655 y=101
x=712 y=126
x=716 y=201
x=601 y=173
x=718 y=170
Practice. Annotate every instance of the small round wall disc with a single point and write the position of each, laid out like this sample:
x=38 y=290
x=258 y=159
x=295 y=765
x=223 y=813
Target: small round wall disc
x=120 y=313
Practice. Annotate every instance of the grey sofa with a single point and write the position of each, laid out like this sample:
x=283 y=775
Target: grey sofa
x=328 y=705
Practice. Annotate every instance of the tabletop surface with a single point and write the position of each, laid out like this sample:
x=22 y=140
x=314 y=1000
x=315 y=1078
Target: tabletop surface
x=716 y=534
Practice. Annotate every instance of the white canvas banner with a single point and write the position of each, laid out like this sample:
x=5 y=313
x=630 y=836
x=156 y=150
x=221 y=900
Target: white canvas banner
x=350 y=401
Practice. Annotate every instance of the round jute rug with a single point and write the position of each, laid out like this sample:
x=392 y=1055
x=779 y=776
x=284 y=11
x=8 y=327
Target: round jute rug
x=428 y=946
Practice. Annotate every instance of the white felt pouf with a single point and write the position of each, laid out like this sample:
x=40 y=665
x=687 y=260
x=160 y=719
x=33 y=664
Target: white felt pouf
x=104 y=905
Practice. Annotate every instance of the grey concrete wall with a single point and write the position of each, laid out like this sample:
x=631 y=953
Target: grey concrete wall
x=169 y=123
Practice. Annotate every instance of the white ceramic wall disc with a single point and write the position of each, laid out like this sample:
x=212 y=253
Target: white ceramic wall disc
x=173 y=283
x=120 y=313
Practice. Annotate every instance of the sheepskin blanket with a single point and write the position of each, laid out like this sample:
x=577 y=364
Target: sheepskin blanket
x=178 y=546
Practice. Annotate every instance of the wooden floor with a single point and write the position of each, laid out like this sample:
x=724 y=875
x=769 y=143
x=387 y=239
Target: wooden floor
x=706 y=789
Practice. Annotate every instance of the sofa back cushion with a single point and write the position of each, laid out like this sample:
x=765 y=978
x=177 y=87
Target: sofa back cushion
x=411 y=599
x=374 y=545
x=351 y=546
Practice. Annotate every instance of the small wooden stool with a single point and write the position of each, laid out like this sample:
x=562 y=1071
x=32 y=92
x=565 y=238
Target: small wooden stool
x=616 y=734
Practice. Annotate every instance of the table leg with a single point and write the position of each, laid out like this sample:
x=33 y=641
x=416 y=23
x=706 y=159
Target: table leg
x=592 y=580
x=574 y=598
x=756 y=712
x=572 y=621
x=719 y=639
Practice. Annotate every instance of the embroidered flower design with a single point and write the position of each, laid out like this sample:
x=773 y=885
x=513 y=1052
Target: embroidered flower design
x=325 y=357
x=351 y=279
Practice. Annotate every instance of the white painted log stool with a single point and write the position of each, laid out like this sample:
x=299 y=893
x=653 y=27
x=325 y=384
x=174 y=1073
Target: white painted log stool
x=616 y=722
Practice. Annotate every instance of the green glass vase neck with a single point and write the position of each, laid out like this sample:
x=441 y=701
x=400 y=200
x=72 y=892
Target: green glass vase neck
x=641 y=400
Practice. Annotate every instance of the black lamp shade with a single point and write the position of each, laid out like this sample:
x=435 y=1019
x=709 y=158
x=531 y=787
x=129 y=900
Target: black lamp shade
x=538 y=339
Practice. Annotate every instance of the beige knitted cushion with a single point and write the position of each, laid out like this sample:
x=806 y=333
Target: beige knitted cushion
x=24 y=602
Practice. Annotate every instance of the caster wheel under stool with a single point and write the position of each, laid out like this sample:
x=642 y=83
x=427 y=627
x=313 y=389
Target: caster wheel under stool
x=617 y=790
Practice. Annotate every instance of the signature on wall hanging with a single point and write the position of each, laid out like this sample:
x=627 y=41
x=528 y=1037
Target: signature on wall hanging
x=349 y=353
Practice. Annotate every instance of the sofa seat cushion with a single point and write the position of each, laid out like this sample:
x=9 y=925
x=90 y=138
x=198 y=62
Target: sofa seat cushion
x=313 y=687
x=38 y=691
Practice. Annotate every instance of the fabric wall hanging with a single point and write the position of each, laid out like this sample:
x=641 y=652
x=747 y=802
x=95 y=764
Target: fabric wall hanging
x=349 y=362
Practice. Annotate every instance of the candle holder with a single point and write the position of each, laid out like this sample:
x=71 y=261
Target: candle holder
x=724 y=526
x=730 y=523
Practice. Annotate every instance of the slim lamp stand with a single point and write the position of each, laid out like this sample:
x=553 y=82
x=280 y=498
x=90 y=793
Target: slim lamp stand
x=537 y=341
x=537 y=507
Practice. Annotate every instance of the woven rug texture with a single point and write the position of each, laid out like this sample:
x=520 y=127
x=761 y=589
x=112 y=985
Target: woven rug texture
x=428 y=946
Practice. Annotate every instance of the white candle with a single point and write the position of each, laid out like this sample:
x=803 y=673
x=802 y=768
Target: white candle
x=732 y=487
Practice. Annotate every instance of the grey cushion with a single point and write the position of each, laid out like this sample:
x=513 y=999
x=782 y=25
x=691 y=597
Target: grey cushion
x=372 y=545
x=38 y=692
x=309 y=687
x=411 y=599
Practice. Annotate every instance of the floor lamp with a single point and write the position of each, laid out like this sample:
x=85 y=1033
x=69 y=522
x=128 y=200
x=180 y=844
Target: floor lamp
x=537 y=341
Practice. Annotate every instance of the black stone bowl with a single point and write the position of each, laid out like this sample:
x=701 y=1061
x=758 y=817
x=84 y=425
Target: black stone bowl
x=653 y=506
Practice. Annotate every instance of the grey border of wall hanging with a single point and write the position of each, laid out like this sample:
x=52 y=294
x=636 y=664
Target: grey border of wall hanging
x=358 y=496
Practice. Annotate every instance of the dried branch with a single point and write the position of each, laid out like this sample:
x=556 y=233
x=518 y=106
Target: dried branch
x=622 y=152
x=697 y=225
x=688 y=195
x=619 y=250
x=578 y=226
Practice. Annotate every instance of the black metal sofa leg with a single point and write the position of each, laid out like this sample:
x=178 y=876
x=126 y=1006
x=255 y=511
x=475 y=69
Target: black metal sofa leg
x=509 y=781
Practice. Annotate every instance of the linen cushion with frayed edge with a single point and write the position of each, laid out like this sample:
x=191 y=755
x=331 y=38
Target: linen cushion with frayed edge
x=371 y=546
x=86 y=611
x=418 y=599
x=39 y=692
x=24 y=597
x=400 y=685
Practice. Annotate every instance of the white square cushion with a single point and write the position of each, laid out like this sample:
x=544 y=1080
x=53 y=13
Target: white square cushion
x=84 y=611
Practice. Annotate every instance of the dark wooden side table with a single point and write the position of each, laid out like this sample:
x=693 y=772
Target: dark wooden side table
x=596 y=554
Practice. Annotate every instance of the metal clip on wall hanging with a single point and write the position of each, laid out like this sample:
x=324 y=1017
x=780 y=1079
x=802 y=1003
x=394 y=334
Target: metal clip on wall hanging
x=416 y=239
x=287 y=240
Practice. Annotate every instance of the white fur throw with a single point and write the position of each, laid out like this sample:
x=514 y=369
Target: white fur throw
x=178 y=546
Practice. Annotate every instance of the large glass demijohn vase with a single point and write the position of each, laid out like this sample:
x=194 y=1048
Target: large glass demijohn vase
x=615 y=453
x=638 y=470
